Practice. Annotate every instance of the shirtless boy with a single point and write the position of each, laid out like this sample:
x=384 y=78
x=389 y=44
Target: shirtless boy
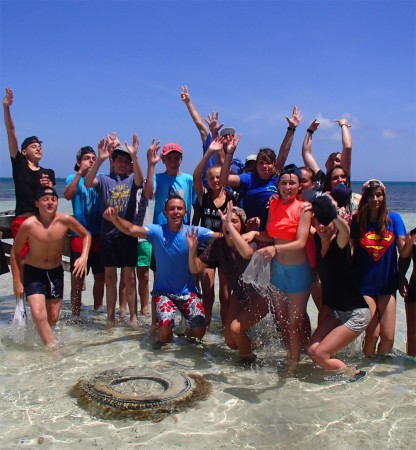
x=43 y=278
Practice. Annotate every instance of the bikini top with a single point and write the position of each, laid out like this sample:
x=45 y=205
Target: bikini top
x=284 y=219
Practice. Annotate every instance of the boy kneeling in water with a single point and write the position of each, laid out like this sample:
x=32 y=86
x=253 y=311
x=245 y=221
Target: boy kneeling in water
x=43 y=276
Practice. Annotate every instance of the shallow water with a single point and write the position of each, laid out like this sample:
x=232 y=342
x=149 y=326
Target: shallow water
x=250 y=408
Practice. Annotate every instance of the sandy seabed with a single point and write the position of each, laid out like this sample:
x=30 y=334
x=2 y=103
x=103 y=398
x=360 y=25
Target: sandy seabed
x=248 y=408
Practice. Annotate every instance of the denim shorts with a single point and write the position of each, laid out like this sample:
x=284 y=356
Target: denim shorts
x=355 y=319
x=291 y=279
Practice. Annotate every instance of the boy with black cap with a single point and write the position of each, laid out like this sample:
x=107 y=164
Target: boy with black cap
x=28 y=175
x=117 y=249
x=87 y=210
x=43 y=277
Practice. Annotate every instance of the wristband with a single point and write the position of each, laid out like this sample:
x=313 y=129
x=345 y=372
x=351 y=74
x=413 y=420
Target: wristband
x=310 y=131
x=291 y=129
x=343 y=125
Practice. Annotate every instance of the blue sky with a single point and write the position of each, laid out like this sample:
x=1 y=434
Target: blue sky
x=79 y=69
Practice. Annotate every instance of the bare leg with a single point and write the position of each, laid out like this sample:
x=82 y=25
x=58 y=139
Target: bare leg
x=372 y=332
x=244 y=320
x=143 y=279
x=224 y=295
x=122 y=296
x=197 y=332
x=37 y=304
x=98 y=291
x=329 y=338
x=165 y=334
x=76 y=291
x=207 y=277
x=386 y=308
x=111 y=293
x=129 y=276
x=411 y=328
x=292 y=316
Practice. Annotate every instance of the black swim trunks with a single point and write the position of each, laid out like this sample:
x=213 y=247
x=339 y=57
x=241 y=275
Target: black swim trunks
x=48 y=282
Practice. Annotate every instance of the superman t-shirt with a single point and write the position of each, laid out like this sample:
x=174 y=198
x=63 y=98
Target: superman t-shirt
x=375 y=256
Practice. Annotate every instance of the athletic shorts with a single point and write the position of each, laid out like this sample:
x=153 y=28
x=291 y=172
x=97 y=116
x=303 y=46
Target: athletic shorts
x=144 y=254
x=120 y=251
x=189 y=305
x=411 y=294
x=17 y=222
x=291 y=279
x=355 y=320
x=48 y=282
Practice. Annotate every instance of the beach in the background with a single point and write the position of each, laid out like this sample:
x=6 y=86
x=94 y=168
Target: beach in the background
x=247 y=408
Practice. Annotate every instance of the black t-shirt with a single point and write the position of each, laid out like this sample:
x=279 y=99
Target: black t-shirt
x=339 y=289
x=319 y=180
x=26 y=184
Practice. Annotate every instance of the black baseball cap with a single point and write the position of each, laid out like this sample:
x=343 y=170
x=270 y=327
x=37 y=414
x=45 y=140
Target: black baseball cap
x=45 y=190
x=81 y=152
x=30 y=140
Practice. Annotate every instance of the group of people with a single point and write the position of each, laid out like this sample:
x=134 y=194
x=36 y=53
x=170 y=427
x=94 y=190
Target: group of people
x=318 y=237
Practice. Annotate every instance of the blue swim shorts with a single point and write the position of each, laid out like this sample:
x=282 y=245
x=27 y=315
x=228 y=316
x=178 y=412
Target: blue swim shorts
x=291 y=279
x=48 y=282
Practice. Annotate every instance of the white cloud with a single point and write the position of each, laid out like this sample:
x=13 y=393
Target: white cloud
x=325 y=124
x=388 y=133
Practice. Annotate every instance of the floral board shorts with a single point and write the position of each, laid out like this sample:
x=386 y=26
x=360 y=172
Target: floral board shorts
x=189 y=305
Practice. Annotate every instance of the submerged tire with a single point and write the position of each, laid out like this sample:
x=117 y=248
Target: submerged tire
x=140 y=393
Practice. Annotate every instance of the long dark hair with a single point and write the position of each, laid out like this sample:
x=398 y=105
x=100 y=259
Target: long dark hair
x=327 y=182
x=363 y=212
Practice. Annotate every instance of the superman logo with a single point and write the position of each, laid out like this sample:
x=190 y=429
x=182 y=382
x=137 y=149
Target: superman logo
x=376 y=245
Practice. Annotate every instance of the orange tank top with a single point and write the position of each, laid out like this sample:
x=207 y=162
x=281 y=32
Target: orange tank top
x=284 y=219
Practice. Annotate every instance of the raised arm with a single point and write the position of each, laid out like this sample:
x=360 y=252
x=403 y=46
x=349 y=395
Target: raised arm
x=123 y=225
x=152 y=159
x=284 y=150
x=8 y=122
x=308 y=158
x=72 y=187
x=195 y=264
x=215 y=147
x=137 y=169
x=245 y=250
x=346 y=144
x=193 y=112
x=227 y=178
x=90 y=179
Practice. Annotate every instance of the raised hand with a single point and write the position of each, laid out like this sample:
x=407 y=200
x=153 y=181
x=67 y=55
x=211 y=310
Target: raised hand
x=152 y=157
x=216 y=145
x=112 y=142
x=212 y=122
x=314 y=125
x=103 y=151
x=185 y=95
x=132 y=149
x=232 y=142
x=342 y=122
x=296 y=118
x=192 y=238
x=226 y=218
x=8 y=99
